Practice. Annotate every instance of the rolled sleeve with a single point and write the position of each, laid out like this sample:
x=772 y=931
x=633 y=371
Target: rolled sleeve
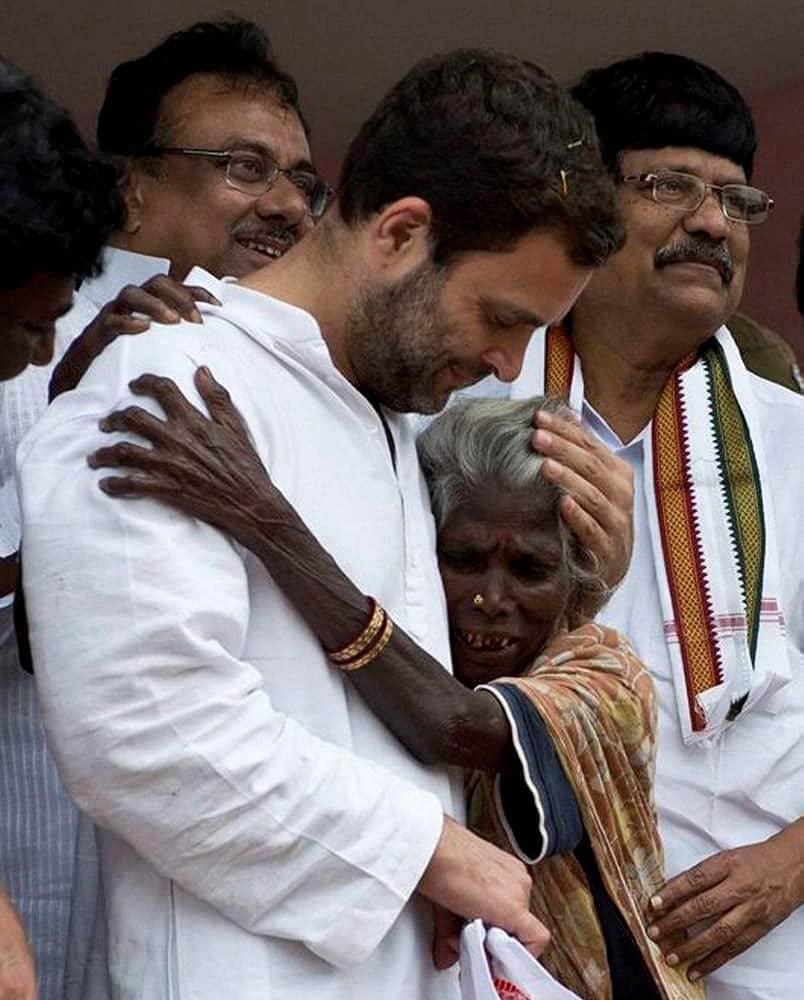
x=536 y=804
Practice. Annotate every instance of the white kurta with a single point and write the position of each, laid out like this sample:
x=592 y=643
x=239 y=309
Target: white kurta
x=750 y=784
x=263 y=832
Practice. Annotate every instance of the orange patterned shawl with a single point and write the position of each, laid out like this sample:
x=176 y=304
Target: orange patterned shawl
x=597 y=702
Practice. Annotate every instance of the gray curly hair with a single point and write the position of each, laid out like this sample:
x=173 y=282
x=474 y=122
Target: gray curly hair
x=486 y=444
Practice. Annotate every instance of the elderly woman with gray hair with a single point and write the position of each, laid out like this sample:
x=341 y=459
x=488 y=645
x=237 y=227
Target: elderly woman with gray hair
x=552 y=716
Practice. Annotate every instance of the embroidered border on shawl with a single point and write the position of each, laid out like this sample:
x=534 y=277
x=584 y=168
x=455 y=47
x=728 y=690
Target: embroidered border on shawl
x=559 y=362
x=741 y=488
x=692 y=605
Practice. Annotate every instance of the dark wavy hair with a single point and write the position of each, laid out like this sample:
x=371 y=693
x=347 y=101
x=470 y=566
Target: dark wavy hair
x=238 y=51
x=483 y=137
x=660 y=99
x=58 y=202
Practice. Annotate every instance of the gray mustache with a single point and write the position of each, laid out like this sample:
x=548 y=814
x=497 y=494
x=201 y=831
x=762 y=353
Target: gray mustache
x=697 y=252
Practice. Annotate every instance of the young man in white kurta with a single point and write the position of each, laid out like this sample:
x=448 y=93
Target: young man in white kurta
x=195 y=676
x=265 y=833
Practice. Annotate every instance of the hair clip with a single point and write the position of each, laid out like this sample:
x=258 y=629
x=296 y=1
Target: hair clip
x=564 y=185
x=575 y=144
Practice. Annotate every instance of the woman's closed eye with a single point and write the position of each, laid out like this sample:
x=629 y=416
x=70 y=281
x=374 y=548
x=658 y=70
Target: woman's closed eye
x=461 y=560
x=531 y=570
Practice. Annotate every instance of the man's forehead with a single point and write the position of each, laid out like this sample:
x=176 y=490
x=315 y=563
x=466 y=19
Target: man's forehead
x=199 y=99
x=687 y=159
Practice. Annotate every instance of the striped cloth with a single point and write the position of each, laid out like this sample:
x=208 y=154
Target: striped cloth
x=38 y=823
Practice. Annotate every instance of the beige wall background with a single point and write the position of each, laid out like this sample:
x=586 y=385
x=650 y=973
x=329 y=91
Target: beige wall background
x=345 y=54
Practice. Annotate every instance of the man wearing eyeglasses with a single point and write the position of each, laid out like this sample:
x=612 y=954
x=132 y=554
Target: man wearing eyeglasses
x=713 y=597
x=218 y=168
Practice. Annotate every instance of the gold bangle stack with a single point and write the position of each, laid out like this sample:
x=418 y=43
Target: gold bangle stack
x=369 y=644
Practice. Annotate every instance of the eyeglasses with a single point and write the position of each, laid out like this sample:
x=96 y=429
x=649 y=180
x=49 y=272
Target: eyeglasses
x=686 y=192
x=254 y=173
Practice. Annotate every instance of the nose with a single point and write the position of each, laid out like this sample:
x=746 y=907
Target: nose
x=42 y=348
x=708 y=218
x=285 y=201
x=505 y=357
x=497 y=601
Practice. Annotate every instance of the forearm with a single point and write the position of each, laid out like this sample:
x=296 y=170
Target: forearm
x=791 y=839
x=436 y=717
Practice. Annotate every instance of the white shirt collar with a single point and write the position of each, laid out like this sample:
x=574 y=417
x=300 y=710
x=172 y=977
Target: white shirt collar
x=121 y=267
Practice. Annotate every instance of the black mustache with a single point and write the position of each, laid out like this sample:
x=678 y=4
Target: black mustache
x=698 y=252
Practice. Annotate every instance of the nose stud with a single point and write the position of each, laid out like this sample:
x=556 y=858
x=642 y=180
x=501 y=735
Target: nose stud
x=477 y=600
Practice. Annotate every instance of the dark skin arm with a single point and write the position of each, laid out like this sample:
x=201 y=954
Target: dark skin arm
x=207 y=468
x=720 y=907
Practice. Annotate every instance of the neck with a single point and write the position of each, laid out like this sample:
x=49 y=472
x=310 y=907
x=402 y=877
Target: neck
x=313 y=276
x=627 y=360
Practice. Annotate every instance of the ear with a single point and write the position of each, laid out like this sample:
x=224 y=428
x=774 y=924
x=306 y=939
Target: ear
x=132 y=185
x=401 y=234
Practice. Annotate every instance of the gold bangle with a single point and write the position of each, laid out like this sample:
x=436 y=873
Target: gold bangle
x=374 y=651
x=364 y=640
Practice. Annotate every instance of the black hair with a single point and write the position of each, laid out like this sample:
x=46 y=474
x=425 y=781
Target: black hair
x=58 y=202
x=238 y=51
x=484 y=137
x=660 y=99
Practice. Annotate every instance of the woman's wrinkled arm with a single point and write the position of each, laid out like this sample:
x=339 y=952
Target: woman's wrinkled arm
x=206 y=467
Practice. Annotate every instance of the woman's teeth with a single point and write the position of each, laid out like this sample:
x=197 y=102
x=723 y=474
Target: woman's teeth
x=481 y=640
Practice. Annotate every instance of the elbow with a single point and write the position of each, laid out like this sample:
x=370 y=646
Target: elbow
x=474 y=736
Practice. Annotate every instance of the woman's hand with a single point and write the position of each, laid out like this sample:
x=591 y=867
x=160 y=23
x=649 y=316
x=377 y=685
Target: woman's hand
x=599 y=507
x=203 y=466
x=161 y=299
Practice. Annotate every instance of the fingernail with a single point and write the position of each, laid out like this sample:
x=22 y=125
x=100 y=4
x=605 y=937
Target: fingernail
x=543 y=439
x=104 y=424
x=656 y=902
x=672 y=958
x=653 y=932
x=693 y=976
x=216 y=302
x=91 y=461
x=544 y=418
x=196 y=317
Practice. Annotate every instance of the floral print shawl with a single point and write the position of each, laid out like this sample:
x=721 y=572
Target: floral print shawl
x=597 y=703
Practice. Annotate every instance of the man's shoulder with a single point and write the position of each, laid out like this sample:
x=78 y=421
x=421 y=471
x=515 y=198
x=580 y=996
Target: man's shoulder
x=780 y=407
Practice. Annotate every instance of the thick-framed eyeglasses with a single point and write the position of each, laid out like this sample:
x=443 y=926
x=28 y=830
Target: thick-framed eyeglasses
x=686 y=192
x=253 y=172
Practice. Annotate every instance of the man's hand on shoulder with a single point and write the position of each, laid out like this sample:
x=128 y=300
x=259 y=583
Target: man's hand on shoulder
x=17 y=976
x=719 y=908
x=468 y=877
x=160 y=299
x=600 y=506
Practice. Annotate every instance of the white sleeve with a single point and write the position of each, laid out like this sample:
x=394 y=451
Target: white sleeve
x=164 y=734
